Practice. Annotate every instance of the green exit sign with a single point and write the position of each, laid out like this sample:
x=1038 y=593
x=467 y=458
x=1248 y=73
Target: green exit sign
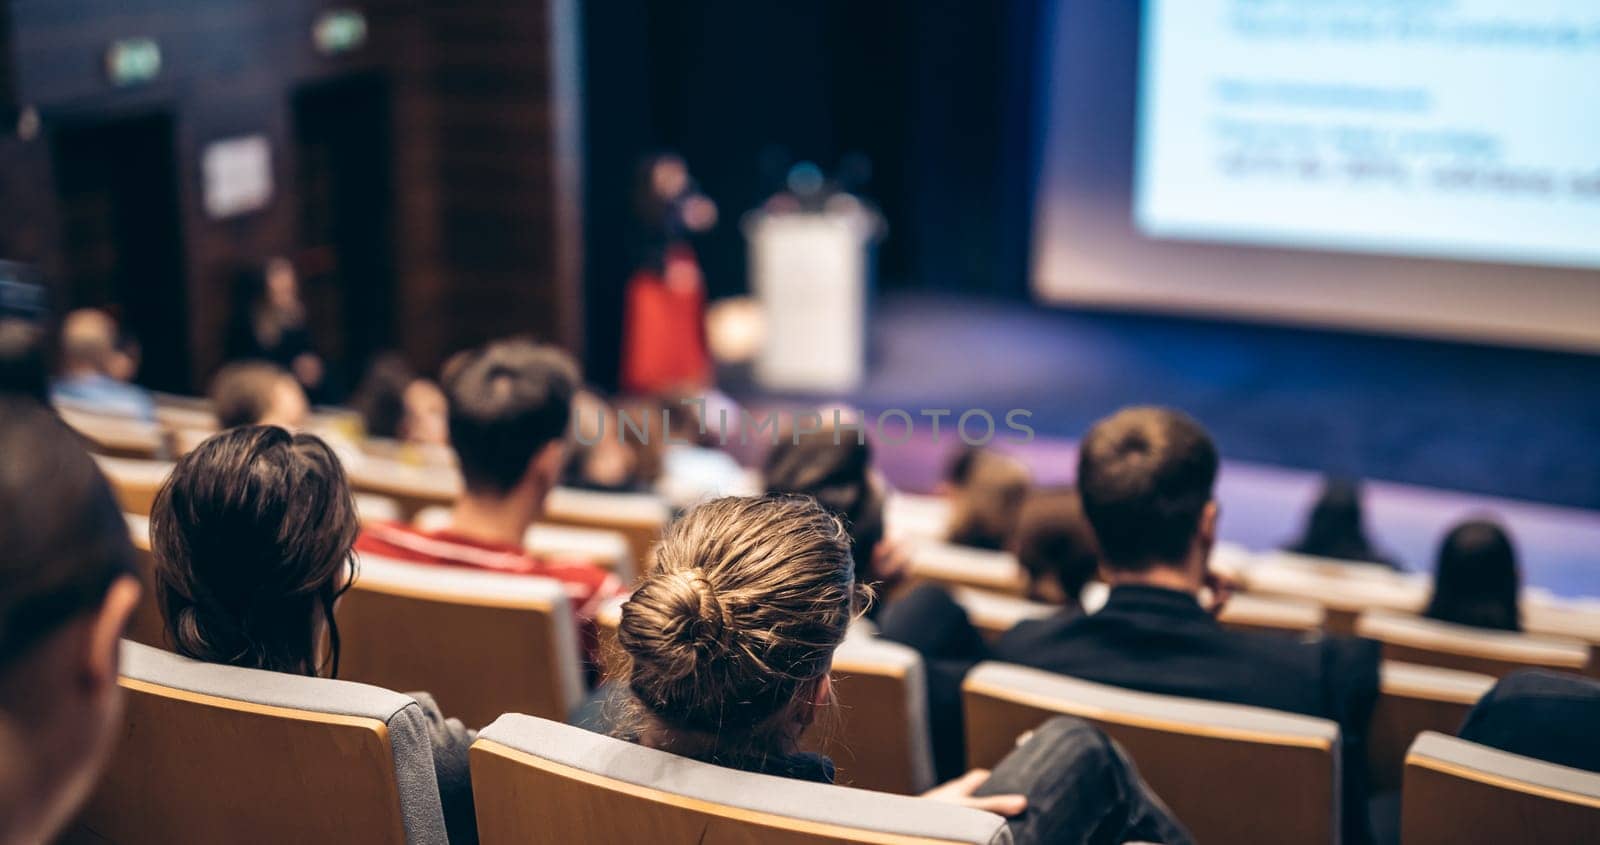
x=339 y=31
x=131 y=61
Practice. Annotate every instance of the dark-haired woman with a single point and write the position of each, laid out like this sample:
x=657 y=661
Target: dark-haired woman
x=1335 y=529
x=1476 y=579
x=252 y=535
x=729 y=642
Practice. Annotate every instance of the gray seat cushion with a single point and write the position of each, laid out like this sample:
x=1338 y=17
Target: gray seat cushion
x=409 y=741
x=813 y=802
x=1502 y=764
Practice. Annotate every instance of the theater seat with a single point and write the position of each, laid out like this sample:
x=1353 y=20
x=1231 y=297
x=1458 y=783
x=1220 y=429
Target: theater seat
x=117 y=437
x=213 y=753
x=993 y=614
x=639 y=517
x=964 y=566
x=1413 y=700
x=134 y=482
x=1263 y=615
x=1414 y=639
x=878 y=736
x=1461 y=792
x=482 y=643
x=412 y=486
x=1230 y=773
x=538 y=781
x=607 y=549
x=1345 y=590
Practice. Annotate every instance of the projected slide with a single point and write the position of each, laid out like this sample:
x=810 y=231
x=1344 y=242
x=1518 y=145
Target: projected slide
x=1462 y=129
x=1422 y=167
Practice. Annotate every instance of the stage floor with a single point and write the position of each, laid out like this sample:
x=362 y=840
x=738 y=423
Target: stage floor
x=1444 y=430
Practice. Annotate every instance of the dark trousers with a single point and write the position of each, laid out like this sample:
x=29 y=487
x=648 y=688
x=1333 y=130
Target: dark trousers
x=1081 y=788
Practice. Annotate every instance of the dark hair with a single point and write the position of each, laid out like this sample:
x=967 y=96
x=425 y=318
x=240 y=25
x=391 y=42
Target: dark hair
x=1476 y=581
x=380 y=398
x=744 y=605
x=838 y=476
x=252 y=535
x=1334 y=526
x=986 y=505
x=1145 y=475
x=1055 y=542
x=63 y=536
x=242 y=392
x=23 y=368
x=508 y=400
x=959 y=468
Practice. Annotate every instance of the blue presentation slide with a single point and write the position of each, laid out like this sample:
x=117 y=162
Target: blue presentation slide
x=1456 y=129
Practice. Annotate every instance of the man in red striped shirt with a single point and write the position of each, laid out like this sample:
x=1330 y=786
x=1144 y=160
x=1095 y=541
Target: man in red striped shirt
x=510 y=403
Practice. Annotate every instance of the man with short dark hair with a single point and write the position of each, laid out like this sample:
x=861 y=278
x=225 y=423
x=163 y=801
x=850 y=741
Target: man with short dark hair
x=1146 y=476
x=510 y=406
x=67 y=588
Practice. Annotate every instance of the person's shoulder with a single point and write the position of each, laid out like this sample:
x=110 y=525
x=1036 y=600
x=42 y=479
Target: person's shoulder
x=1025 y=638
x=1544 y=685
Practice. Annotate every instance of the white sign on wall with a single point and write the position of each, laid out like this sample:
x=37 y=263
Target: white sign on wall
x=236 y=175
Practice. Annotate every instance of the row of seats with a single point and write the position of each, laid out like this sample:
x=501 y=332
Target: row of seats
x=214 y=753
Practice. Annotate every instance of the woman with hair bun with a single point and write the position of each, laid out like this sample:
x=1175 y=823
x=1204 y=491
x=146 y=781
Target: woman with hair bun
x=729 y=641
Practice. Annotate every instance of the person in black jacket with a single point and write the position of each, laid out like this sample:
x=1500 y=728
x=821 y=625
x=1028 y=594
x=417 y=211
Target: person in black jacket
x=1146 y=476
x=1541 y=714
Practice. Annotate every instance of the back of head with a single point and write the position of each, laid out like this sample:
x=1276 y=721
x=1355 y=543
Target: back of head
x=23 y=370
x=380 y=397
x=88 y=341
x=987 y=504
x=508 y=401
x=65 y=594
x=1334 y=527
x=735 y=624
x=64 y=537
x=1476 y=580
x=839 y=476
x=255 y=393
x=1145 y=475
x=252 y=535
x=1056 y=546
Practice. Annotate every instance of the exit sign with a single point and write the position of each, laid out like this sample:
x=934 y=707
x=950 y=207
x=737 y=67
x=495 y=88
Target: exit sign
x=131 y=61
x=339 y=31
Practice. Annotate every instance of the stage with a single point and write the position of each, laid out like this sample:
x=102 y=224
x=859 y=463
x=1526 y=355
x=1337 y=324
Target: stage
x=1440 y=430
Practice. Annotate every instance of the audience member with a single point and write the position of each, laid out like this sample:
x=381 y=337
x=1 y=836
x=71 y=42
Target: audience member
x=1476 y=580
x=984 y=512
x=23 y=371
x=67 y=589
x=396 y=404
x=269 y=323
x=1055 y=545
x=837 y=472
x=604 y=458
x=1334 y=527
x=1541 y=714
x=958 y=469
x=88 y=360
x=258 y=393
x=253 y=536
x=729 y=640
x=1146 y=476
x=510 y=407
